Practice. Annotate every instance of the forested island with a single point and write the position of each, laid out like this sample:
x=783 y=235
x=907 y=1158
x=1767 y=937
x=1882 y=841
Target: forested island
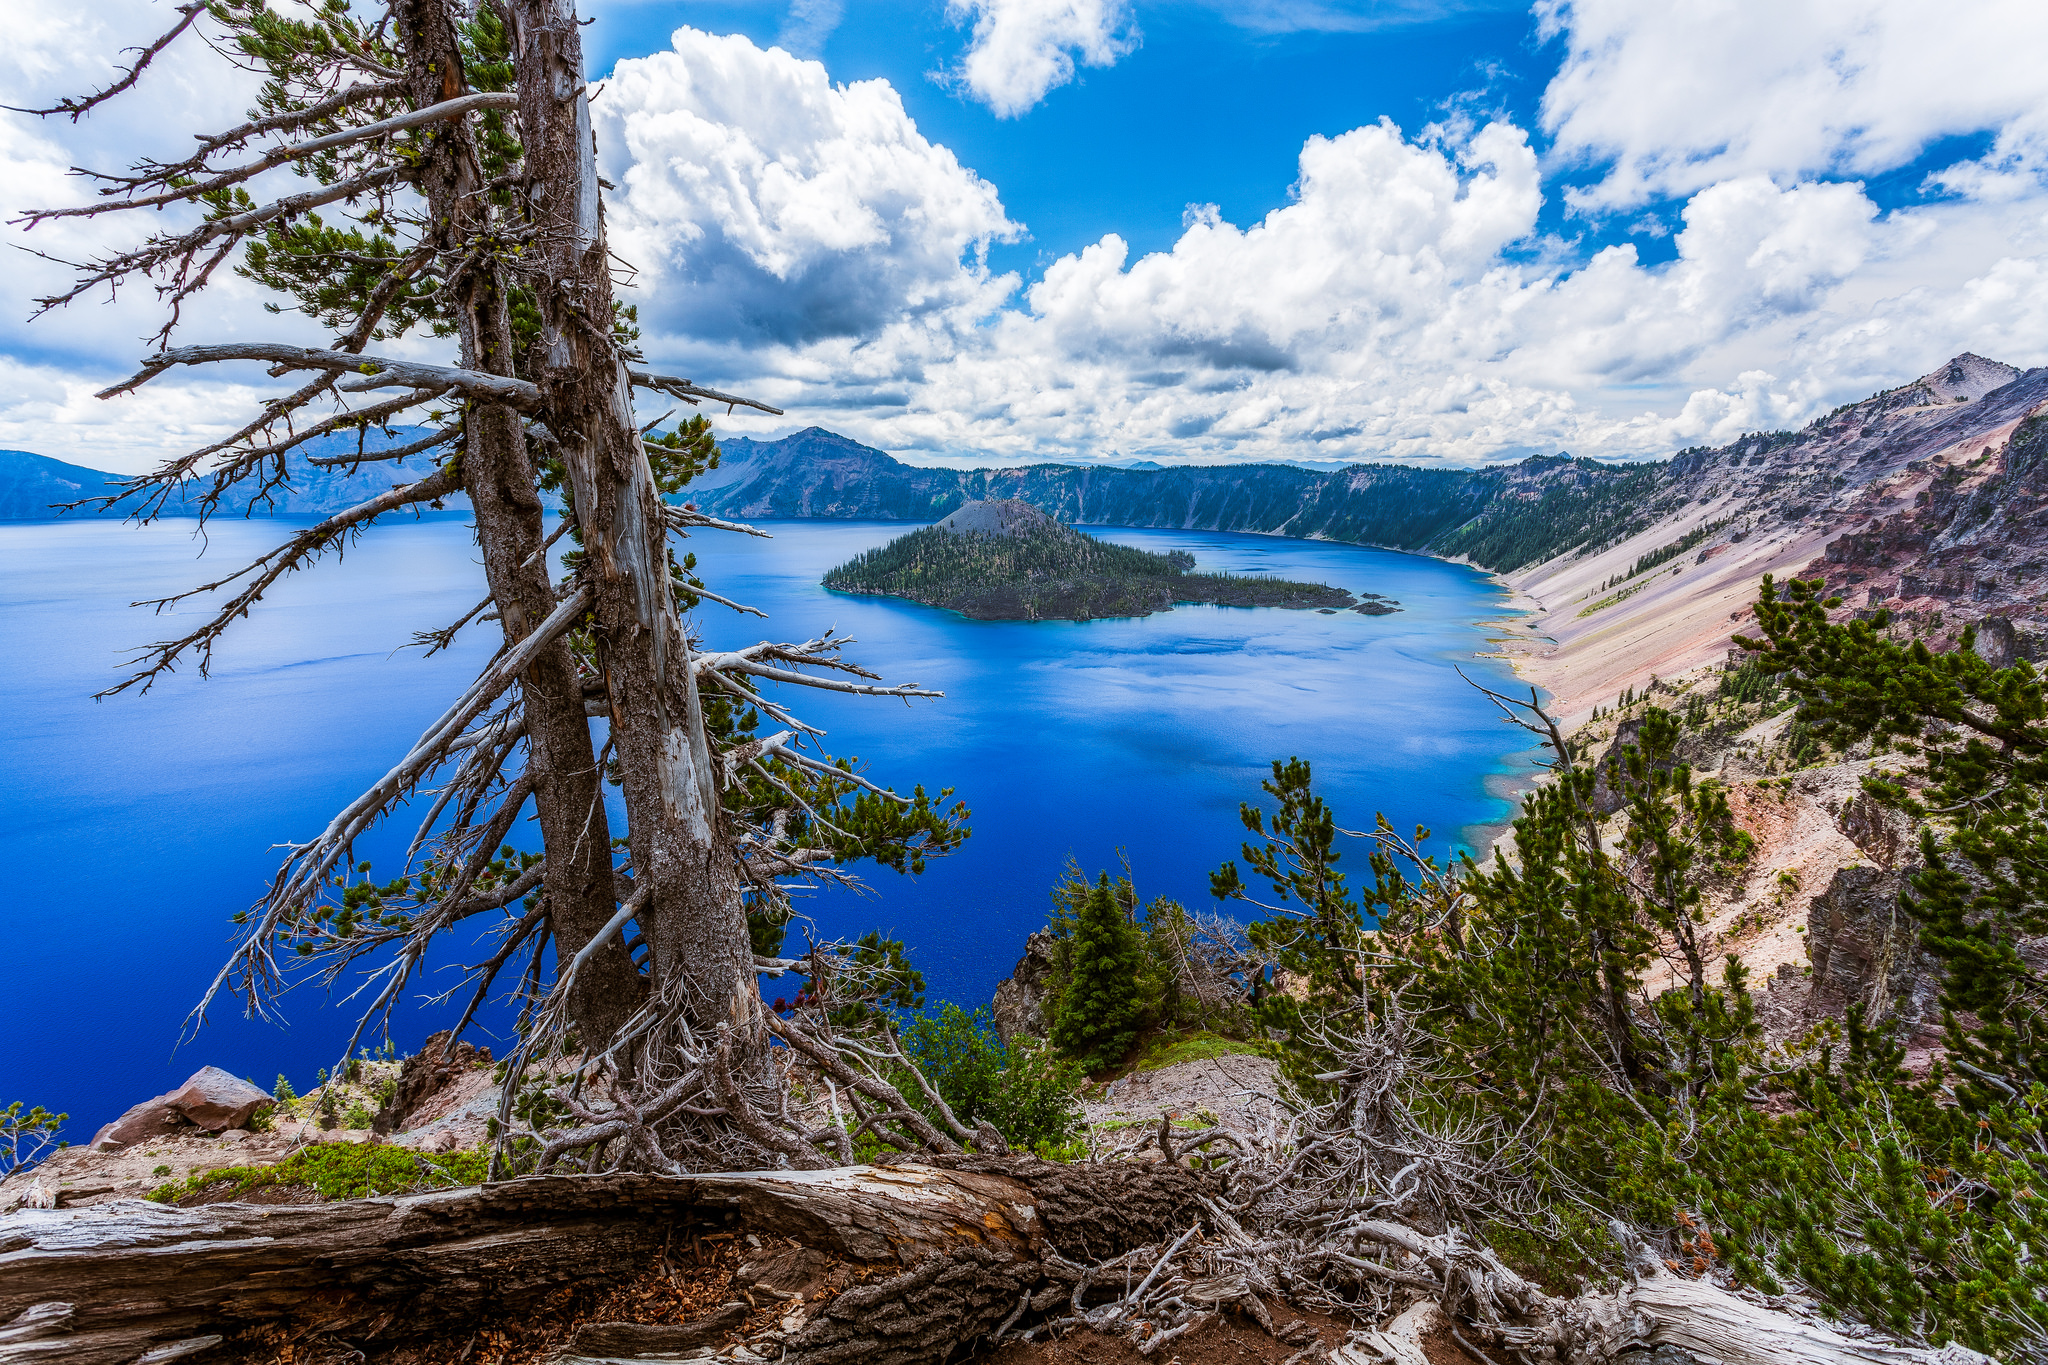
x=1007 y=561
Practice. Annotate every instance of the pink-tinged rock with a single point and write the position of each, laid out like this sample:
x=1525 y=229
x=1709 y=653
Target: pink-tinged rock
x=153 y=1118
x=216 y=1101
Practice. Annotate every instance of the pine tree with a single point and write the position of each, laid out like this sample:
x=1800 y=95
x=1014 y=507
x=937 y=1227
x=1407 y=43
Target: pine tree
x=1099 y=1010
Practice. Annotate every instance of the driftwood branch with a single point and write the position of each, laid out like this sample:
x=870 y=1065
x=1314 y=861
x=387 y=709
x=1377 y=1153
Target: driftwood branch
x=942 y=1253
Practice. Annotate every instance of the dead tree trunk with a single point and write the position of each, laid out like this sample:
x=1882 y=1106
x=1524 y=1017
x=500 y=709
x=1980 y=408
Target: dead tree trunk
x=947 y=1256
x=693 y=916
x=498 y=474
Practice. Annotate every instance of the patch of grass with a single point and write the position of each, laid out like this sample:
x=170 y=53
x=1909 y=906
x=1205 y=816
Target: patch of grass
x=340 y=1170
x=1170 y=1049
x=1073 y=1149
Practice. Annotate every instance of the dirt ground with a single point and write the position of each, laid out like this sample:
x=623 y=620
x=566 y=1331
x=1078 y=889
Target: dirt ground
x=1229 y=1341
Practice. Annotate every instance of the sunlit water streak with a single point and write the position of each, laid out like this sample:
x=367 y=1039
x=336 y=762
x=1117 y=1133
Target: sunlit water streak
x=133 y=828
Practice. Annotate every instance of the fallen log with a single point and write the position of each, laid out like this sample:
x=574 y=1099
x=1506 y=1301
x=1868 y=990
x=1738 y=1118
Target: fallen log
x=947 y=1252
x=929 y=1259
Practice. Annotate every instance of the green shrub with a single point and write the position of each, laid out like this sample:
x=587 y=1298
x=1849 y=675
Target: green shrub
x=1023 y=1089
x=341 y=1170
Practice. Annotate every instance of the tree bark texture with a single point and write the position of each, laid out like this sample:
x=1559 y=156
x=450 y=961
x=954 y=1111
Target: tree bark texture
x=695 y=921
x=499 y=475
x=953 y=1251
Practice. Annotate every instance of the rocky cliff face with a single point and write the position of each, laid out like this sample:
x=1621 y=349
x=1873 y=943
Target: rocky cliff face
x=1024 y=998
x=1930 y=499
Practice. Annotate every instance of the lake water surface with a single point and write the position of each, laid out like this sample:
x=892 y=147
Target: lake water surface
x=131 y=829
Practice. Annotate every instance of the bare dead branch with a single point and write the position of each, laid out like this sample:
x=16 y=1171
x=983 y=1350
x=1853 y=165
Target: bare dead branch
x=376 y=371
x=404 y=452
x=684 y=518
x=160 y=251
x=690 y=393
x=78 y=108
x=278 y=156
x=308 y=544
x=306 y=870
x=276 y=123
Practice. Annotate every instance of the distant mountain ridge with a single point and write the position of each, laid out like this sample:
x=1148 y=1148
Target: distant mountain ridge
x=817 y=473
x=1525 y=519
x=1505 y=518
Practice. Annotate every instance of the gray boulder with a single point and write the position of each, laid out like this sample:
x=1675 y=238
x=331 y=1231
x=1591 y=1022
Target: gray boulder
x=211 y=1101
x=153 y=1118
x=216 y=1101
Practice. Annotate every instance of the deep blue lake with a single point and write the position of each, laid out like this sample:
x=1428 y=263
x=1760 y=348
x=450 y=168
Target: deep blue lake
x=131 y=829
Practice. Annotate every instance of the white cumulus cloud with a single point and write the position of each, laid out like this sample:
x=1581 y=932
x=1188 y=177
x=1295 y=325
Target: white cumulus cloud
x=1022 y=49
x=766 y=205
x=1672 y=98
x=802 y=241
x=1405 y=305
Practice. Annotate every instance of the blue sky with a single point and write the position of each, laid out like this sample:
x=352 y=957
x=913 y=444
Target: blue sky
x=1204 y=111
x=974 y=231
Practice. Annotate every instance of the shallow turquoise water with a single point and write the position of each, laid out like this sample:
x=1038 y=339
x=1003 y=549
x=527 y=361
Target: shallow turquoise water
x=133 y=828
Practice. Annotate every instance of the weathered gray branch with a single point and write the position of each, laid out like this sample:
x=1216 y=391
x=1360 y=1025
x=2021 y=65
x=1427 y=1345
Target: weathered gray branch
x=233 y=227
x=78 y=108
x=690 y=393
x=308 y=866
x=376 y=371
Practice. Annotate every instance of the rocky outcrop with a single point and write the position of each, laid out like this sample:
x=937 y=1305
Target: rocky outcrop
x=1865 y=949
x=2001 y=642
x=1879 y=832
x=216 y=1101
x=427 y=1073
x=997 y=517
x=153 y=1118
x=1929 y=500
x=211 y=1100
x=1024 y=999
